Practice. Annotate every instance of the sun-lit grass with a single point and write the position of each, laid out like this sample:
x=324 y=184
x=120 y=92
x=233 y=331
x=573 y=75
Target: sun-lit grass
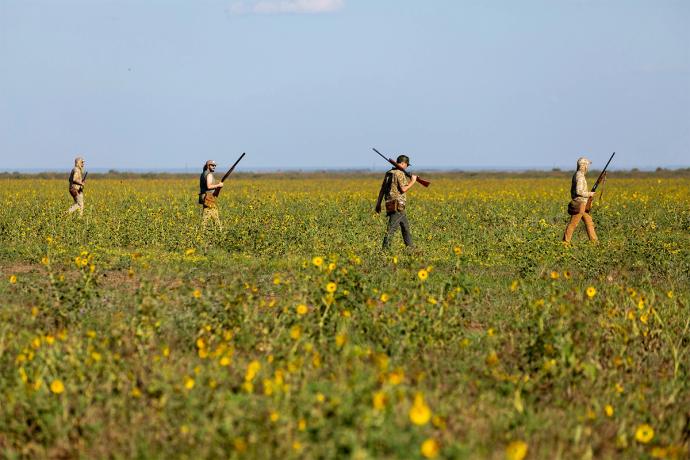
x=135 y=333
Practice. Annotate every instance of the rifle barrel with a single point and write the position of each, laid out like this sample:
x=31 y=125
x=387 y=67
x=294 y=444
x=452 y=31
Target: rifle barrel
x=603 y=171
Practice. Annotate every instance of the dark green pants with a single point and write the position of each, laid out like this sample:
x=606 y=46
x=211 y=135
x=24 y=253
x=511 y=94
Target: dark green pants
x=395 y=220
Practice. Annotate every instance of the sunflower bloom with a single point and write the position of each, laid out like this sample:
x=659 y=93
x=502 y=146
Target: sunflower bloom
x=516 y=450
x=591 y=291
x=422 y=274
x=379 y=400
x=420 y=413
x=429 y=448
x=57 y=387
x=644 y=433
x=331 y=287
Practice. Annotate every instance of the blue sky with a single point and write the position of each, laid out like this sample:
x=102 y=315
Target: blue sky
x=317 y=83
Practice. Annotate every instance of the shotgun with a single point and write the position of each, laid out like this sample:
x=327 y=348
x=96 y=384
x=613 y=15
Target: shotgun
x=216 y=192
x=395 y=164
x=600 y=179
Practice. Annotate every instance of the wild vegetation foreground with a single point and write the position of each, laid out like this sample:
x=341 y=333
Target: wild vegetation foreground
x=288 y=333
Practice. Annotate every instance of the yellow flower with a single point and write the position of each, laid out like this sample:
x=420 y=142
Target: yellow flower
x=136 y=392
x=196 y=294
x=302 y=309
x=566 y=275
x=379 y=400
x=430 y=448
x=659 y=452
x=516 y=450
x=252 y=369
x=188 y=383
x=396 y=377
x=420 y=413
x=554 y=275
x=224 y=361
x=317 y=261
x=331 y=266
x=189 y=252
x=608 y=410
x=302 y=424
x=340 y=340
x=320 y=397
x=200 y=344
x=457 y=250
x=384 y=297
x=276 y=280
x=514 y=286
x=95 y=356
x=13 y=279
x=591 y=291
x=239 y=444
x=331 y=287
x=57 y=387
x=295 y=332
x=644 y=433
x=492 y=359
x=274 y=416
x=45 y=260
x=669 y=294
x=423 y=274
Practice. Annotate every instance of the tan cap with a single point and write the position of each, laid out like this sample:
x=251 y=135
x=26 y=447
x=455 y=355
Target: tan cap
x=78 y=159
x=210 y=162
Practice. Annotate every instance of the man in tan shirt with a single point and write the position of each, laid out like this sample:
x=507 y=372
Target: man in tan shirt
x=76 y=186
x=580 y=194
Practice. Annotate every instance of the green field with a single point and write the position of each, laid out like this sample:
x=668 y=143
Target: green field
x=133 y=332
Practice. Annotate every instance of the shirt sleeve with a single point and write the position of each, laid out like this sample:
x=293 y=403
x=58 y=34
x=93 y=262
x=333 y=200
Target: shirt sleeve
x=400 y=180
x=581 y=187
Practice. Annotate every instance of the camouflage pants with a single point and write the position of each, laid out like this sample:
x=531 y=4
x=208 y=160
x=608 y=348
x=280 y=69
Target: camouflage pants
x=395 y=220
x=210 y=214
x=78 y=197
x=575 y=219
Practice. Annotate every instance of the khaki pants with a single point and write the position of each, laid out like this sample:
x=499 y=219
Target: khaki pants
x=575 y=219
x=208 y=214
x=78 y=197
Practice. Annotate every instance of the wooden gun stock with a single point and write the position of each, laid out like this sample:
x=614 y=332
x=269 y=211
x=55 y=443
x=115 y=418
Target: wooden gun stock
x=424 y=182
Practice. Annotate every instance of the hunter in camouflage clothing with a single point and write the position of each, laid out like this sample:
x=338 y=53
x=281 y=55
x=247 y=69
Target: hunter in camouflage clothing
x=76 y=186
x=577 y=208
x=206 y=196
x=393 y=189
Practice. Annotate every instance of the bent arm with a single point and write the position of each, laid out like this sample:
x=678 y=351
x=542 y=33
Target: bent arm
x=210 y=185
x=406 y=187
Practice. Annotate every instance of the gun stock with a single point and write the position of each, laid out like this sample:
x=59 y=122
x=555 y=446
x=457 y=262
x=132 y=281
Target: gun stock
x=216 y=192
x=395 y=164
x=600 y=179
